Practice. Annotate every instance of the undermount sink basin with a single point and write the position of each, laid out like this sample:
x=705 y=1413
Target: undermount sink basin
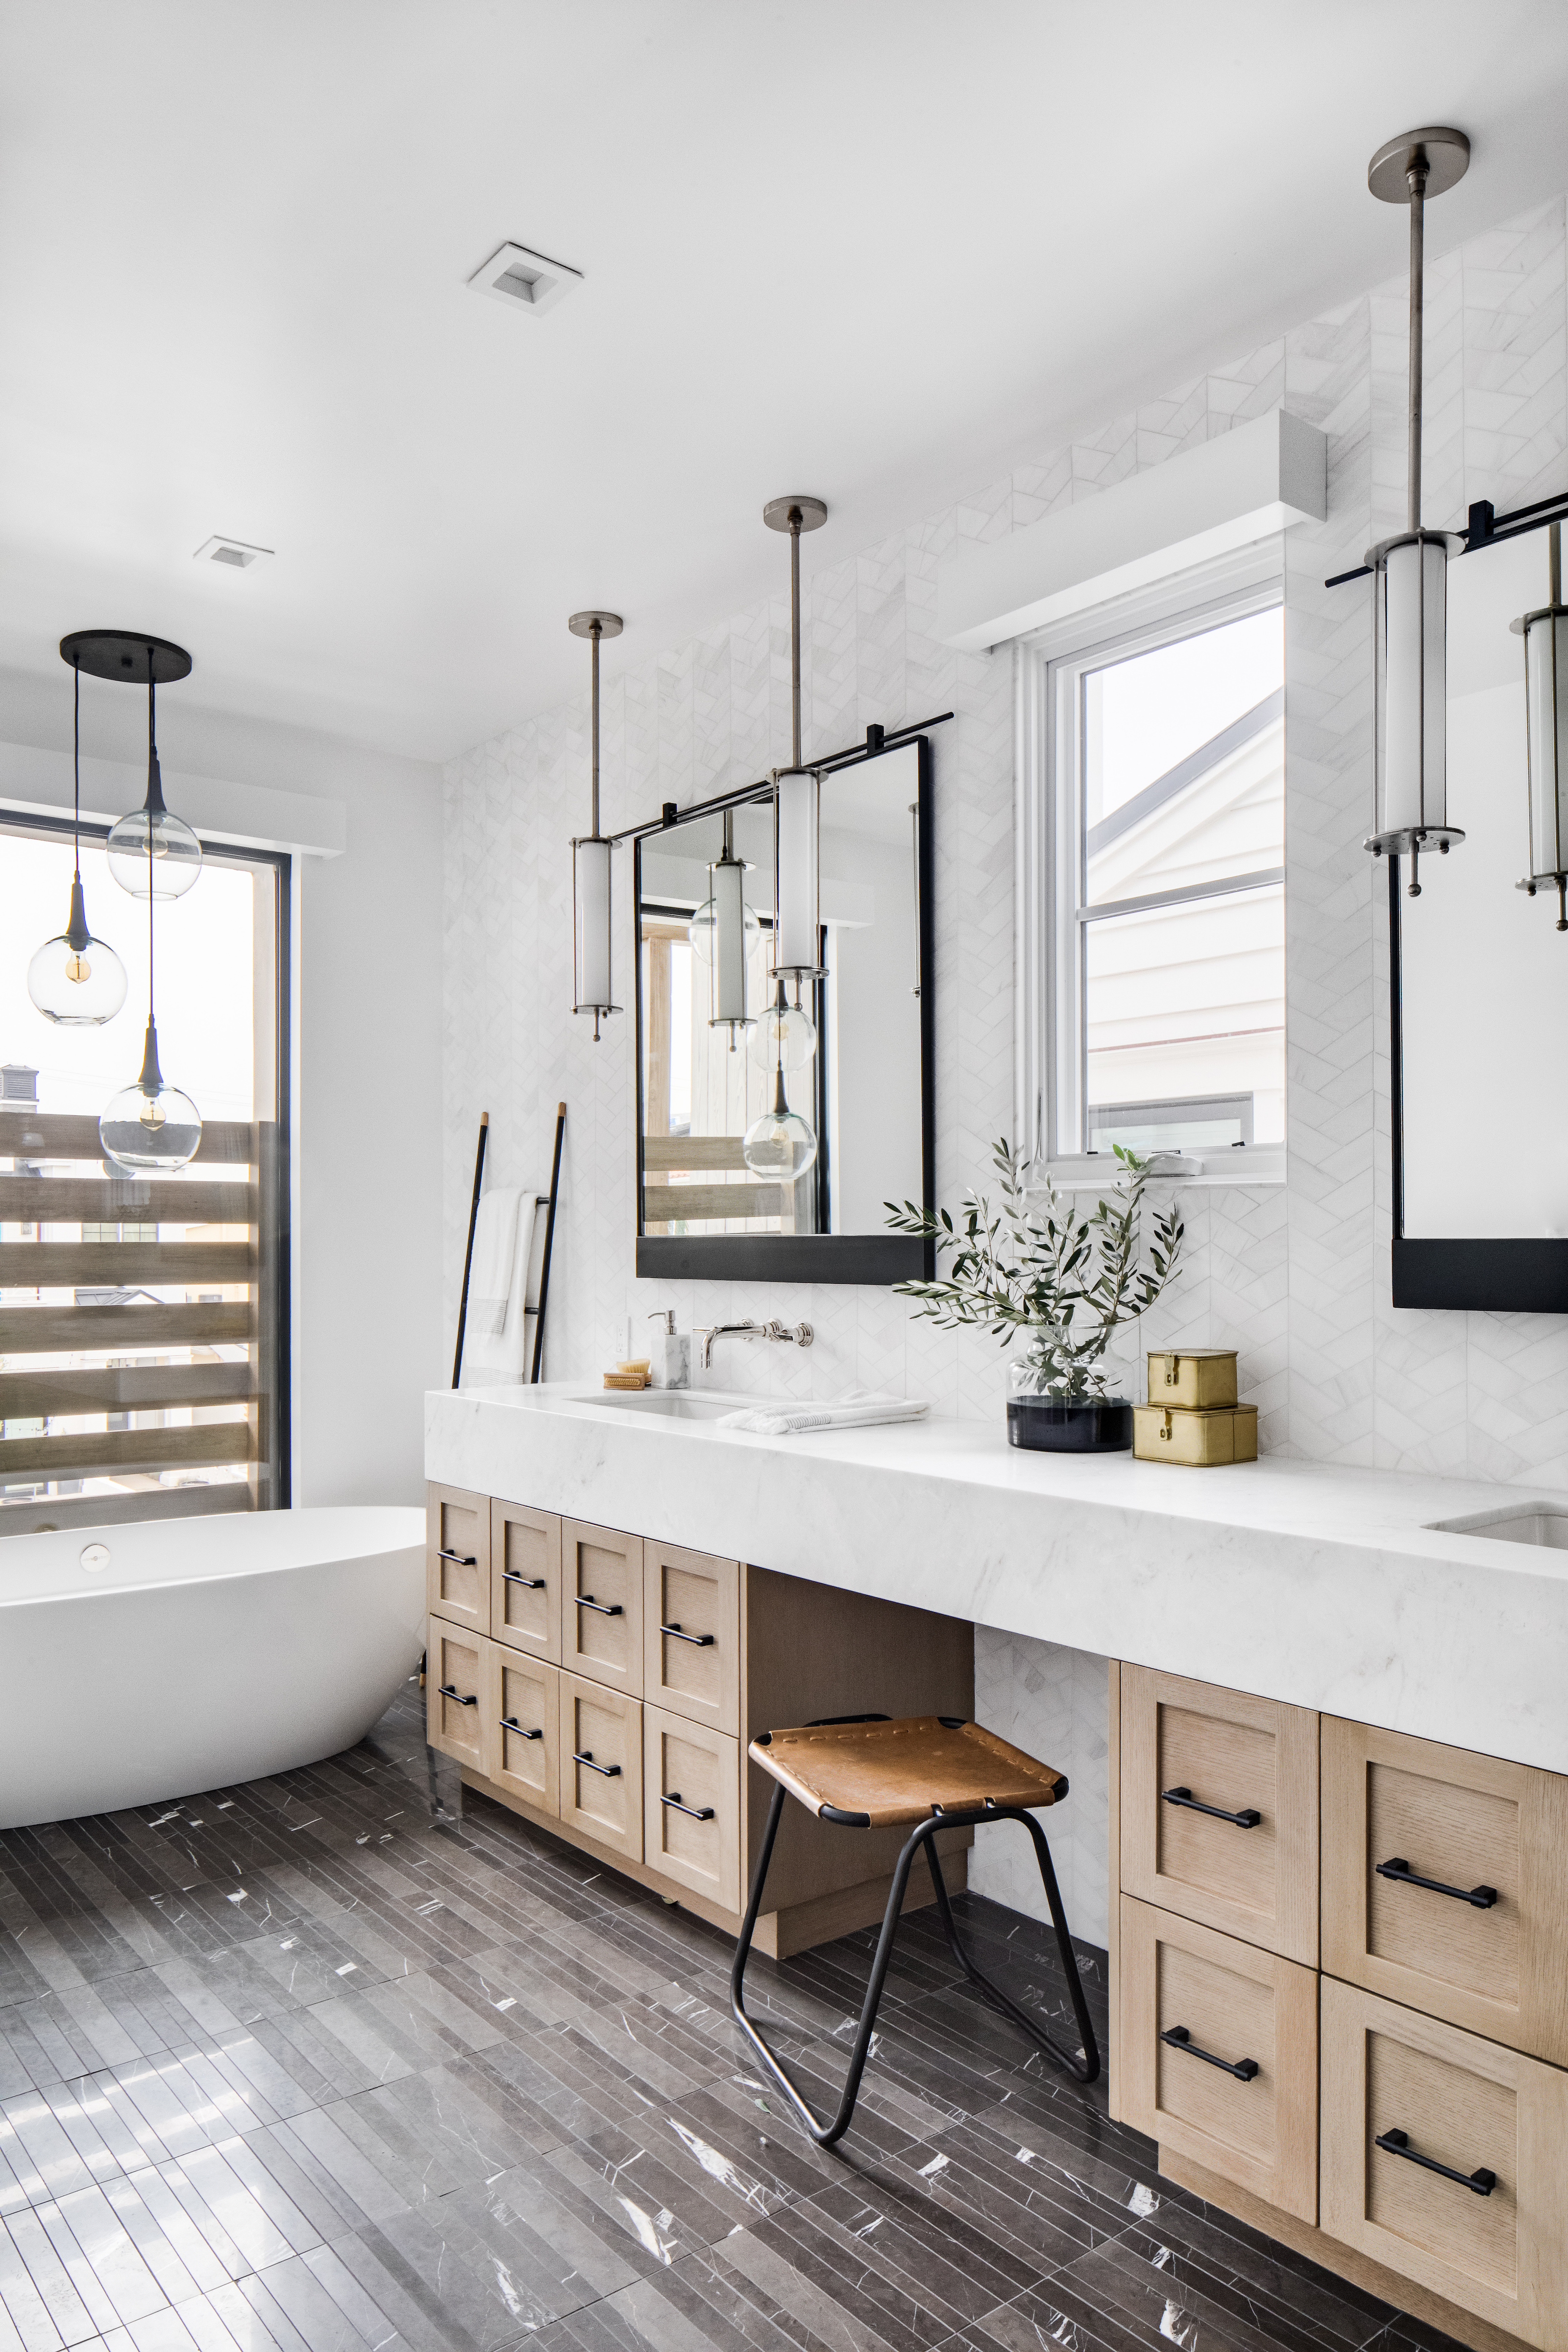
x=667 y=1404
x=1523 y=1523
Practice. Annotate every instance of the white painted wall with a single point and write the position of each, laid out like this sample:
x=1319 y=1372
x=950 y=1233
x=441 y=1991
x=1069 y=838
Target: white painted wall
x=368 y=1337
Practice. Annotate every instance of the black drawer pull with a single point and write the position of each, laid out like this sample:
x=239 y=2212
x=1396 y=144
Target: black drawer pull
x=586 y=1756
x=1180 y=2038
x=600 y=1608
x=697 y=1812
x=450 y=1690
x=1399 y=1870
x=461 y=1559
x=509 y=1723
x=698 y=1641
x=1397 y=2143
x=529 y=1583
x=1189 y=1804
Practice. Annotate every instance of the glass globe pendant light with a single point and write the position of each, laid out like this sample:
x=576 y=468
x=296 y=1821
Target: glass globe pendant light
x=592 y=925
x=74 y=979
x=785 y=1037
x=152 y=852
x=1410 y=573
x=150 y=1128
x=780 y=1146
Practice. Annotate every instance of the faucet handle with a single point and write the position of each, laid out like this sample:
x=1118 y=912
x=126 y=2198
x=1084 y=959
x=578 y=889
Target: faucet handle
x=665 y=1315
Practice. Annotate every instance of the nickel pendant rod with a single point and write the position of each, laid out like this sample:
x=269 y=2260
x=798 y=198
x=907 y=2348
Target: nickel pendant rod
x=795 y=523
x=1417 y=180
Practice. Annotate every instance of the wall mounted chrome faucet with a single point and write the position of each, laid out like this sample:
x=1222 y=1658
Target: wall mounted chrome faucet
x=802 y=1335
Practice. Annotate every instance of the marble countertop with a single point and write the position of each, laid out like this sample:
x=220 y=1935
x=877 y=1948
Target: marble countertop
x=1325 y=1587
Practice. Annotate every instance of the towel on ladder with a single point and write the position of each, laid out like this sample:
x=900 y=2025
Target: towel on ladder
x=495 y=1346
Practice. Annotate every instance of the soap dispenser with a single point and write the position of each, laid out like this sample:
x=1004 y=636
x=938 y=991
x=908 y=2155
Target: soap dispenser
x=671 y=1352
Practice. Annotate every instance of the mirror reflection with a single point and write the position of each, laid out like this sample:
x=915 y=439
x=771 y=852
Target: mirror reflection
x=782 y=1103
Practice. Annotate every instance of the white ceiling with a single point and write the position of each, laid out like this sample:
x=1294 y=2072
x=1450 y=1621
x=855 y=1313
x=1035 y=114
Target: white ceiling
x=866 y=248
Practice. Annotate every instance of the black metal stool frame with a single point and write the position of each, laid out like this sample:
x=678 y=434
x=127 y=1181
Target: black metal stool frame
x=1085 y=2066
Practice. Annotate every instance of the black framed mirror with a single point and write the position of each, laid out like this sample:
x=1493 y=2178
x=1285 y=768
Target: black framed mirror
x=1479 y=982
x=724 y=1049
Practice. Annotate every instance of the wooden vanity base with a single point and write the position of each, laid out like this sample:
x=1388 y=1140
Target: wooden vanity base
x=1360 y=2270
x=780 y=1934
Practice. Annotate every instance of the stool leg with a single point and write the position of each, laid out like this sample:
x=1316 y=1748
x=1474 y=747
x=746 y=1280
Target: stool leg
x=826 y=2134
x=1086 y=2066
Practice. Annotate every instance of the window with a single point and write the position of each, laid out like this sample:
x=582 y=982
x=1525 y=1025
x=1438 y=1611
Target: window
x=143 y=1326
x=1160 y=867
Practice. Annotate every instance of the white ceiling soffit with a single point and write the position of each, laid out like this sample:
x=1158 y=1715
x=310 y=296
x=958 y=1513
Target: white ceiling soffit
x=1248 y=484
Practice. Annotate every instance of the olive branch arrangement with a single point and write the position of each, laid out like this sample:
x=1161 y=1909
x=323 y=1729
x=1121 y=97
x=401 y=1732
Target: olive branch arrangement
x=1037 y=1266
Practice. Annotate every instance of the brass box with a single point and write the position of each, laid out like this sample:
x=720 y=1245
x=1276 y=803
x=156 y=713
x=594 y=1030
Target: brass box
x=1163 y=1432
x=1195 y=1378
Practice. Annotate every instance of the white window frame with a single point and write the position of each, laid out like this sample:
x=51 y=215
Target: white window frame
x=1049 y=666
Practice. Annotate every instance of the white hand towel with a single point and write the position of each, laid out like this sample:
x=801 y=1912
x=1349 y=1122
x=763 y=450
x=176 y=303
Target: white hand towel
x=495 y=1247
x=857 y=1408
x=493 y=1357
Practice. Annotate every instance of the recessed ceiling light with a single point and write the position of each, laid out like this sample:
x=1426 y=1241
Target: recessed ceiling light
x=232 y=552
x=528 y=281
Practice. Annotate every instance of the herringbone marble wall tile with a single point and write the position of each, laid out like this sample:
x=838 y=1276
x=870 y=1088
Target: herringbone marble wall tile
x=1295 y=1276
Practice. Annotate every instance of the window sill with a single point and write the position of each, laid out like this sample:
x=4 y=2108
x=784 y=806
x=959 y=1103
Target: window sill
x=1251 y=1164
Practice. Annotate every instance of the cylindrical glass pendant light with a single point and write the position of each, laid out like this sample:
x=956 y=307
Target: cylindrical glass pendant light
x=1546 y=635
x=75 y=979
x=152 y=851
x=797 y=790
x=1410 y=594
x=150 y=1128
x=591 y=916
x=730 y=937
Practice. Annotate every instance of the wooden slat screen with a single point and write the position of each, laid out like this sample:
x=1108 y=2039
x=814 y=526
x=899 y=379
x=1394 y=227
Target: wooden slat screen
x=137 y=1326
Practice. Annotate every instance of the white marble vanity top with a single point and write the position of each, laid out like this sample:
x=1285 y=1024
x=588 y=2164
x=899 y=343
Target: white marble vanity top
x=1320 y=1586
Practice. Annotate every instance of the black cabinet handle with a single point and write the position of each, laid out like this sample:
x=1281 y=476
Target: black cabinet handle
x=600 y=1608
x=529 y=1583
x=698 y=1641
x=1180 y=2038
x=1399 y=1870
x=586 y=1756
x=462 y=1559
x=509 y=1723
x=697 y=1812
x=1189 y=1804
x=450 y=1690
x=1397 y=2143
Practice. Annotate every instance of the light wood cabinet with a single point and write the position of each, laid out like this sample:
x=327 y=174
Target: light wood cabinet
x=1218 y=2054
x=691 y=1632
x=601 y=1605
x=1491 y=2240
x=1219 y=1809
x=692 y=1805
x=458 y=1557
x=601 y=1764
x=522 y=1727
x=660 y=1684
x=525 y=1579
x=454 y=1693
x=1484 y=1941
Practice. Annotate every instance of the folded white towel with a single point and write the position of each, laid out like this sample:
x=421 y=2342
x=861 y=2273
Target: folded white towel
x=856 y=1409
x=496 y=1341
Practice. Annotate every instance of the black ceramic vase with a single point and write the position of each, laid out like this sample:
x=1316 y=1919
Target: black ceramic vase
x=1089 y=1425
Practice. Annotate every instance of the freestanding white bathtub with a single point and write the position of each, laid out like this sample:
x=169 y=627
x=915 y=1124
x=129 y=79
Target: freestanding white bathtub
x=175 y=1655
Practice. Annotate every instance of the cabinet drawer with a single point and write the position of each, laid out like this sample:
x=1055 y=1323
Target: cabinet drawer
x=525 y=1579
x=689 y=1771
x=458 y=1557
x=601 y=1764
x=454 y=1693
x=1471 y=2106
x=691 y=1631
x=601 y=1605
x=522 y=1727
x=1219 y=1809
x=1471 y=1824
x=1229 y=2001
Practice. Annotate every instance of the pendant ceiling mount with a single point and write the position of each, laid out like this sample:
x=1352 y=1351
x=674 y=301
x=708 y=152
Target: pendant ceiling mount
x=1443 y=155
x=803 y=513
x=122 y=655
x=610 y=624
